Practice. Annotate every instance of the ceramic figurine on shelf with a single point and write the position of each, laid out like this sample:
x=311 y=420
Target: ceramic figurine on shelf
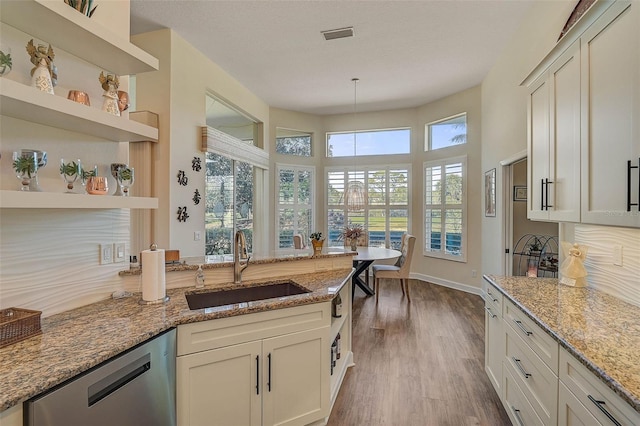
x=572 y=270
x=110 y=85
x=5 y=61
x=44 y=73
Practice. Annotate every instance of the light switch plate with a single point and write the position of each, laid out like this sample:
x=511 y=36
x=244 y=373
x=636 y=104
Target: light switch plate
x=119 y=252
x=617 y=255
x=105 y=253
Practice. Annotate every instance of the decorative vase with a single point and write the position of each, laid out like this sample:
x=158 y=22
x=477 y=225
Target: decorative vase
x=26 y=168
x=317 y=246
x=354 y=244
x=41 y=78
x=70 y=172
x=34 y=185
x=115 y=169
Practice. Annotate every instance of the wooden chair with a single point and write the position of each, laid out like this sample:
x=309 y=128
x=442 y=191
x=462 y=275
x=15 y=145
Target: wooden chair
x=401 y=268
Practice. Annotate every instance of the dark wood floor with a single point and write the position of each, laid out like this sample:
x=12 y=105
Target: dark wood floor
x=418 y=364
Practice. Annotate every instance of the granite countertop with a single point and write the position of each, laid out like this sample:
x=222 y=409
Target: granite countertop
x=74 y=341
x=601 y=331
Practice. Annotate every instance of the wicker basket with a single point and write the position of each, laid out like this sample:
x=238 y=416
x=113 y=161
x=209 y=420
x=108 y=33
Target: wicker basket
x=17 y=324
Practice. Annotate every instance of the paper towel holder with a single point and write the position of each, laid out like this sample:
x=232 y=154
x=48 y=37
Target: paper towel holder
x=165 y=299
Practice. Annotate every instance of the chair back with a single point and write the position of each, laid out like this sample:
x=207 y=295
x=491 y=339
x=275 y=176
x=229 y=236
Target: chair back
x=298 y=241
x=408 y=243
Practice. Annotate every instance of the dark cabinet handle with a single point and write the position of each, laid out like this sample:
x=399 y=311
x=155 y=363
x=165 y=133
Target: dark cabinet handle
x=546 y=191
x=600 y=404
x=257 y=374
x=629 y=203
x=518 y=364
x=541 y=194
x=516 y=413
x=269 y=373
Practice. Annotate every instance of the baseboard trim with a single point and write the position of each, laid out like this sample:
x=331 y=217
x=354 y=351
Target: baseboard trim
x=446 y=283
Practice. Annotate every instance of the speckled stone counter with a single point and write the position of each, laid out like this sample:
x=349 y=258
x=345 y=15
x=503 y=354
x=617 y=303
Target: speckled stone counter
x=601 y=331
x=76 y=340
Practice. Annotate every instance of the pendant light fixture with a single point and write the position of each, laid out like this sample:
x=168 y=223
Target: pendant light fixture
x=355 y=197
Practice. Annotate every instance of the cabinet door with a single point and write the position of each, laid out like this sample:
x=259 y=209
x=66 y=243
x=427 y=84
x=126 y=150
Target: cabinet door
x=563 y=189
x=538 y=147
x=219 y=387
x=296 y=378
x=610 y=135
x=493 y=346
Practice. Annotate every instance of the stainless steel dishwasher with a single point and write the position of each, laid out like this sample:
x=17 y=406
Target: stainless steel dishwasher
x=136 y=388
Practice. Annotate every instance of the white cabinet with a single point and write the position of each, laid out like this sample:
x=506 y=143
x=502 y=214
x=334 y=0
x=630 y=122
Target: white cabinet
x=610 y=51
x=554 y=141
x=268 y=368
x=493 y=336
x=341 y=326
x=571 y=411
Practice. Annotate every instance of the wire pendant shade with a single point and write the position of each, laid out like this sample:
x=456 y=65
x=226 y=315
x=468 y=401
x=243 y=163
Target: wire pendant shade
x=355 y=197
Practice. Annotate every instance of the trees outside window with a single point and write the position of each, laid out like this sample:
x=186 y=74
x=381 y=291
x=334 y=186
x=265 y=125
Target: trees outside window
x=294 y=206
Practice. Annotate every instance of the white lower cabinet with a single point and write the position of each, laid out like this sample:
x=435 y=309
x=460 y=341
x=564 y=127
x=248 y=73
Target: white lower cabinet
x=515 y=402
x=571 y=411
x=279 y=377
x=493 y=337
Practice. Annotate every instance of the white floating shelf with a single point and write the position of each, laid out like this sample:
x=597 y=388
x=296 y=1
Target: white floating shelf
x=60 y=25
x=53 y=200
x=30 y=104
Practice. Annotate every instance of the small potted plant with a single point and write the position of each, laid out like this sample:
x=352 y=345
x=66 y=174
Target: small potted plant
x=317 y=240
x=351 y=233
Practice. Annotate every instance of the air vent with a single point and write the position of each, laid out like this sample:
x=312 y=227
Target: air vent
x=339 y=33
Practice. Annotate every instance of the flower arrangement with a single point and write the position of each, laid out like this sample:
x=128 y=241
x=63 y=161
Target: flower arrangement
x=353 y=232
x=316 y=236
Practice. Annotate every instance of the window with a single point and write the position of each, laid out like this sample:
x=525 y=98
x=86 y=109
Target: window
x=386 y=215
x=229 y=203
x=370 y=142
x=293 y=142
x=445 y=133
x=294 y=205
x=229 y=120
x=445 y=208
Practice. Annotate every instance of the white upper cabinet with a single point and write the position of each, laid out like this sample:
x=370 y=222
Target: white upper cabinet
x=554 y=141
x=611 y=117
x=584 y=122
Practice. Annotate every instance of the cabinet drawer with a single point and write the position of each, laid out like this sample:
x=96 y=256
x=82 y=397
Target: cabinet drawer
x=217 y=333
x=493 y=299
x=535 y=337
x=536 y=381
x=516 y=404
x=588 y=389
x=571 y=411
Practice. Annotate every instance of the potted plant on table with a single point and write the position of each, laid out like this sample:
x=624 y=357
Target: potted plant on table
x=317 y=240
x=350 y=234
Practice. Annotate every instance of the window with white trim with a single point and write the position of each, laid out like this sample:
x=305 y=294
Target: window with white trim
x=386 y=214
x=445 y=208
x=447 y=132
x=294 y=205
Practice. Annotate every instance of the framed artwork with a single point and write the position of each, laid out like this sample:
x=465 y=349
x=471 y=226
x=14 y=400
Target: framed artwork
x=490 y=193
x=519 y=193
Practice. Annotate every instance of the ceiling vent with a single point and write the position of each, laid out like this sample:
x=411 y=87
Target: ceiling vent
x=339 y=33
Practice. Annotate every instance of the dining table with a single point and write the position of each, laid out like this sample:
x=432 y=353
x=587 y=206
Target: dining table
x=365 y=257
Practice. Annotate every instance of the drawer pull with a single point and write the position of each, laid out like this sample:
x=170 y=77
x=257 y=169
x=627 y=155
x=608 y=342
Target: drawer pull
x=491 y=296
x=490 y=313
x=516 y=413
x=600 y=404
x=521 y=327
x=520 y=367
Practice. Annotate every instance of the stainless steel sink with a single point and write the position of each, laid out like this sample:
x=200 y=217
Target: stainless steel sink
x=271 y=290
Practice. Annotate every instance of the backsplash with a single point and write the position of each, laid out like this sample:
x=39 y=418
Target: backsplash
x=49 y=258
x=620 y=281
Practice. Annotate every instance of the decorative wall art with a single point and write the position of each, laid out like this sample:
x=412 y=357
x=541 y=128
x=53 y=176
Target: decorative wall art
x=196 y=164
x=182 y=178
x=519 y=193
x=182 y=214
x=196 y=197
x=490 y=193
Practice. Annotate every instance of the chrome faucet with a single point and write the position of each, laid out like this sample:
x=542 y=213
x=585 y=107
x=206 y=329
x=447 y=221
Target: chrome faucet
x=239 y=254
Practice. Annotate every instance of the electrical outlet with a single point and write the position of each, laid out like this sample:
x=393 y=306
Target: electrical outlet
x=106 y=253
x=617 y=255
x=474 y=273
x=119 y=252
x=196 y=236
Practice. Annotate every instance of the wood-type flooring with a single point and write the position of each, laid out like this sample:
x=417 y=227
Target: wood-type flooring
x=418 y=364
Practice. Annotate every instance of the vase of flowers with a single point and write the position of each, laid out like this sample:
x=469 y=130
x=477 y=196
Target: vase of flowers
x=351 y=233
x=317 y=240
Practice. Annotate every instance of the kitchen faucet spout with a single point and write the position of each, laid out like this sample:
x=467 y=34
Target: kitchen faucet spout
x=239 y=254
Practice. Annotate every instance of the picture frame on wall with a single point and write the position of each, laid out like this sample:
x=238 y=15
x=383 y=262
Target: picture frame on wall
x=519 y=193
x=490 y=193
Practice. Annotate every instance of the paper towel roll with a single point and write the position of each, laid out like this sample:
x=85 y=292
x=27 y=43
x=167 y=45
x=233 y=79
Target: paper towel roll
x=153 y=278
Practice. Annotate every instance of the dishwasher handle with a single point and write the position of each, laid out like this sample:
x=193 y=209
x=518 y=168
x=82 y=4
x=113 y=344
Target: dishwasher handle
x=108 y=385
